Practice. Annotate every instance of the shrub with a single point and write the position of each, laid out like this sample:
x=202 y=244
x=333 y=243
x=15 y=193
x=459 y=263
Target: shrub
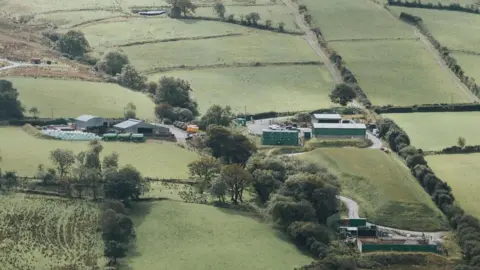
x=167 y=121
x=113 y=62
x=73 y=43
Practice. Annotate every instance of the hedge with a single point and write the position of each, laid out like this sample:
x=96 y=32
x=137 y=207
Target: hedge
x=451 y=7
x=438 y=107
x=38 y=121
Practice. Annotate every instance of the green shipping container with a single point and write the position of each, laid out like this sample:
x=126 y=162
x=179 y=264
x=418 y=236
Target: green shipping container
x=138 y=137
x=357 y=222
x=124 y=137
x=279 y=137
x=109 y=137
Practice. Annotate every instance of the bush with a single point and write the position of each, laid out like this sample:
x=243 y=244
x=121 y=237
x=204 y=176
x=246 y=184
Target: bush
x=437 y=107
x=130 y=78
x=73 y=43
x=113 y=62
x=167 y=121
x=87 y=59
x=52 y=35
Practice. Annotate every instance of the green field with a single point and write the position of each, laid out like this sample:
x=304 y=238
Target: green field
x=435 y=131
x=119 y=32
x=40 y=232
x=277 y=88
x=460 y=172
x=276 y=13
x=258 y=46
x=383 y=187
x=401 y=72
x=71 y=98
x=355 y=19
x=68 y=19
x=185 y=236
x=469 y=63
x=455 y=30
x=22 y=152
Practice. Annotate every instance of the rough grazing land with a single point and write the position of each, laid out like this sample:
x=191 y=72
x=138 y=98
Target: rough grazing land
x=260 y=89
x=120 y=32
x=400 y=72
x=461 y=173
x=22 y=152
x=456 y=30
x=180 y=236
x=255 y=47
x=65 y=20
x=40 y=232
x=384 y=188
x=71 y=98
x=355 y=19
x=445 y=128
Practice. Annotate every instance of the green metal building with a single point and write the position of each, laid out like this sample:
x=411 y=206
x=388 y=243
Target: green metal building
x=377 y=244
x=340 y=130
x=279 y=137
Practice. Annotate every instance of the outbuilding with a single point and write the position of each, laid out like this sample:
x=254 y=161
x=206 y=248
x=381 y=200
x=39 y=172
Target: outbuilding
x=88 y=121
x=326 y=118
x=340 y=130
x=141 y=127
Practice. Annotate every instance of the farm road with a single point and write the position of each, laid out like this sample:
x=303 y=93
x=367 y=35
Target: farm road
x=13 y=64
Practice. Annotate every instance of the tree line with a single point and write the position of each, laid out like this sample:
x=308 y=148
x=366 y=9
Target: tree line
x=452 y=6
x=437 y=107
x=467 y=227
x=445 y=54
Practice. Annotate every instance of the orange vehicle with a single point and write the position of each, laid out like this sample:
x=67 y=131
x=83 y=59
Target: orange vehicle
x=192 y=128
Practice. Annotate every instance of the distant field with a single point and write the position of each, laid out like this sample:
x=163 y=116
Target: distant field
x=71 y=98
x=65 y=20
x=354 y=19
x=435 y=131
x=400 y=72
x=120 y=32
x=461 y=173
x=254 y=47
x=469 y=63
x=181 y=236
x=22 y=152
x=276 y=13
x=456 y=30
x=384 y=188
x=40 y=232
x=260 y=89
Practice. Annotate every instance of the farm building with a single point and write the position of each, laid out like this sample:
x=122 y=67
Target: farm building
x=326 y=118
x=340 y=130
x=280 y=137
x=141 y=127
x=88 y=121
x=374 y=244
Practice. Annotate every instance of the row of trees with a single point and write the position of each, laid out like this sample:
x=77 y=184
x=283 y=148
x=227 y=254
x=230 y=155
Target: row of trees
x=10 y=105
x=117 y=64
x=467 y=226
x=452 y=6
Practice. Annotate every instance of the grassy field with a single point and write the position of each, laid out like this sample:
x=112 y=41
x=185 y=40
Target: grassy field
x=455 y=30
x=277 y=88
x=469 y=63
x=400 y=72
x=22 y=152
x=125 y=31
x=384 y=188
x=355 y=19
x=71 y=98
x=184 y=236
x=460 y=172
x=434 y=131
x=276 y=13
x=40 y=232
x=254 y=47
x=66 y=20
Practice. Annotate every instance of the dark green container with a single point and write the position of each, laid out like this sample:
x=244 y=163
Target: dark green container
x=110 y=137
x=124 y=137
x=138 y=137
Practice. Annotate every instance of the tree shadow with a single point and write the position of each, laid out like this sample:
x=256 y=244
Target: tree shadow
x=187 y=21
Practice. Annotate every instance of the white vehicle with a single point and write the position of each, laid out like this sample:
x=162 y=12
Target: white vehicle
x=274 y=127
x=376 y=132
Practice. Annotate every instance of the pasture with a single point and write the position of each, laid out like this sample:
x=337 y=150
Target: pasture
x=120 y=32
x=460 y=172
x=435 y=131
x=469 y=63
x=385 y=190
x=260 y=89
x=355 y=19
x=455 y=30
x=65 y=20
x=22 y=152
x=400 y=72
x=257 y=46
x=183 y=236
x=40 y=232
x=71 y=98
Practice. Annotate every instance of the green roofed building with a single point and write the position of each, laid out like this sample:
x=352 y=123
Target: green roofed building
x=280 y=137
x=340 y=130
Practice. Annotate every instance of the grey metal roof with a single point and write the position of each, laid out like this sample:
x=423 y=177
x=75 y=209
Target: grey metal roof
x=335 y=125
x=85 y=117
x=128 y=123
x=327 y=116
x=279 y=130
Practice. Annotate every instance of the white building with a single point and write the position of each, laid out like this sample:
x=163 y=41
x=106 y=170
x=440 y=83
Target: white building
x=86 y=121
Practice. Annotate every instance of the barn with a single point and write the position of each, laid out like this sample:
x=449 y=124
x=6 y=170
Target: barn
x=139 y=126
x=326 y=118
x=88 y=121
x=340 y=130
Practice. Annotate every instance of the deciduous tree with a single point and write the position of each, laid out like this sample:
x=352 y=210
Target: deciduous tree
x=74 y=43
x=204 y=170
x=461 y=142
x=219 y=8
x=114 y=250
x=216 y=115
x=113 y=62
x=130 y=78
x=63 y=159
x=181 y=6
x=175 y=92
x=343 y=93
x=126 y=184
x=110 y=161
x=34 y=111
x=227 y=146
x=10 y=106
x=130 y=111
x=236 y=179
x=164 y=110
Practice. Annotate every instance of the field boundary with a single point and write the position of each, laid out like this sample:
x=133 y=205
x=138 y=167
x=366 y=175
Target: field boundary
x=450 y=7
x=426 y=108
x=234 y=65
x=371 y=39
x=465 y=52
x=108 y=8
x=98 y=20
x=177 y=39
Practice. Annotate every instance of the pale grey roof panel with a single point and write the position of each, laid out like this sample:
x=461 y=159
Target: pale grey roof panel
x=335 y=125
x=85 y=117
x=128 y=123
x=330 y=116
